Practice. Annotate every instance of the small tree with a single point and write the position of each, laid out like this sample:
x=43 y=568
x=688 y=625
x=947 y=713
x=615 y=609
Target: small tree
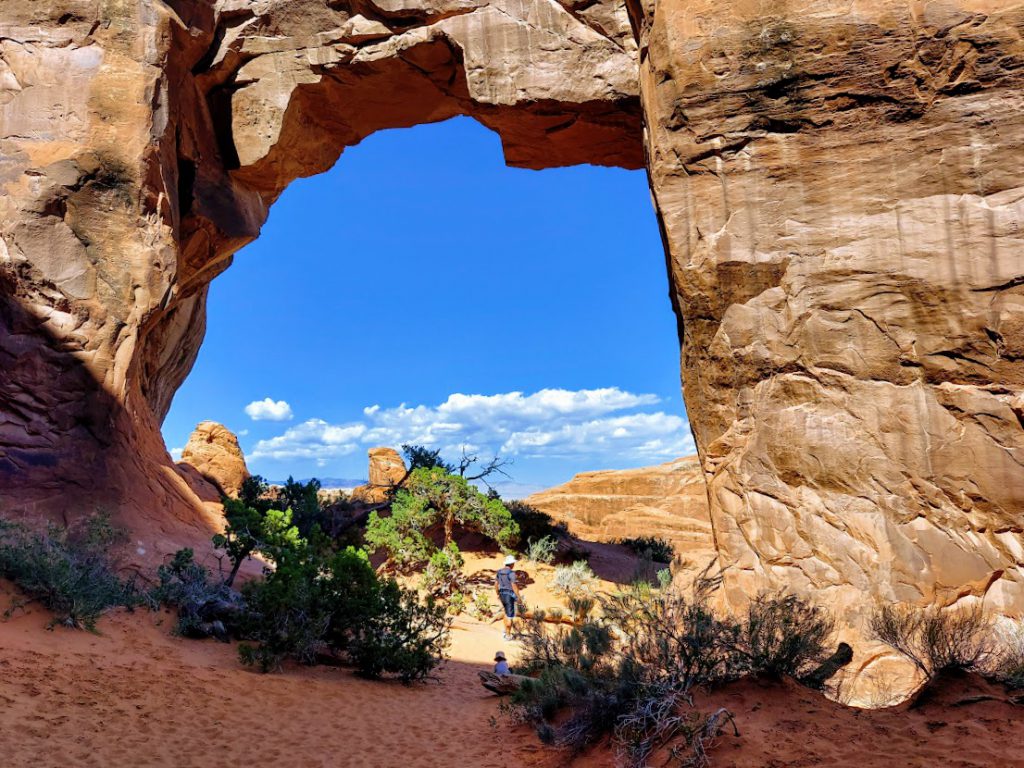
x=303 y=499
x=436 y=497
x=249 y=530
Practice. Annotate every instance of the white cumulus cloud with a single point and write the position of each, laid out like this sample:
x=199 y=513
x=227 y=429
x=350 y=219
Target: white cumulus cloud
x=269 y=410
x=606 y=425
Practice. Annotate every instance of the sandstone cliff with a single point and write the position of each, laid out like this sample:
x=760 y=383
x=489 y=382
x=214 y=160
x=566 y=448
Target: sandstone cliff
x=669 y=501
x=838 y=185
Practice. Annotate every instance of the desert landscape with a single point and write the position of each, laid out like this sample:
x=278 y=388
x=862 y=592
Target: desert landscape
x=836 y=577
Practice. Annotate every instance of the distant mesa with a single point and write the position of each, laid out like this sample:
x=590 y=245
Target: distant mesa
x=668 y=501
x=214 y=453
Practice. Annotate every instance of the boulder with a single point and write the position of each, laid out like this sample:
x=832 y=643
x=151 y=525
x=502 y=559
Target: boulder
x=387 y=470
x=213 y=451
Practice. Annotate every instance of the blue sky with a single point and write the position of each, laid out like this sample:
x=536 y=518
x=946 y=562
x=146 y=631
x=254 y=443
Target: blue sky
x=421 y=291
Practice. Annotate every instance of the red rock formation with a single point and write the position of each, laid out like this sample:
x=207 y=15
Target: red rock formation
x=213 y=451
x=387 y=469
x=838 y=186
x=840 y=190
x=142 y=145
x=669 y=501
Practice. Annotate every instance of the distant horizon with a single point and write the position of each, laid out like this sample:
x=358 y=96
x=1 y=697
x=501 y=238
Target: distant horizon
x=423 y=292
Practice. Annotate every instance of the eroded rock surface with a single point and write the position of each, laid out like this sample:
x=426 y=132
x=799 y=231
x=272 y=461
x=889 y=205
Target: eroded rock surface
x=839 y=186
x=386 y=470
x=141 y=145
x=668 y=500
x=213 y=451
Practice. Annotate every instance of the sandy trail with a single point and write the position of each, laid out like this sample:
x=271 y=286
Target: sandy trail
x=135 y=695
x=138 y=696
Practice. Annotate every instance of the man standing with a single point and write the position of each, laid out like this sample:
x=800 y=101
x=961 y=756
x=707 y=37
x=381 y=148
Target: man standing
x=508 y=593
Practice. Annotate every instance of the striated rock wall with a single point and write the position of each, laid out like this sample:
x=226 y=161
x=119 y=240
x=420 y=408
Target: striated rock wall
x=841 y=190
x=838 y=183
x=668 y=500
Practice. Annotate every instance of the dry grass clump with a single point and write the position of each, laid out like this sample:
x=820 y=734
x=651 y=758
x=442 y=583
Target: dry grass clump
x=966 y=639
x=630 y=671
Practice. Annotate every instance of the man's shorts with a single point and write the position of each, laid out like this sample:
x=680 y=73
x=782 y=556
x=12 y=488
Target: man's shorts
x=508 y=602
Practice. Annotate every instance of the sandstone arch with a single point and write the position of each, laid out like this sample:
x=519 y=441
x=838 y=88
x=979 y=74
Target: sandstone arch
x=839 y=186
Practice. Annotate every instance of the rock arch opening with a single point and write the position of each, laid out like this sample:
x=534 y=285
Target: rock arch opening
x=421 y=268
x=839 y=191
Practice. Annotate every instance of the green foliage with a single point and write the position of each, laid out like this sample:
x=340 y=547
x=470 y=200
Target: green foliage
x=317 y=600
x=69 y=571
x=541 y=550
x=402 y=534
x=534 y=524
x=421 y=457
x=456 y=603
x=242 y=533
x=443 y=575
x=481 y=608
x=303 y=500
x=400 y=636
x=205 y=607
x=650 y=547
x=249 y=529
x=255 y=493
x=436 y=497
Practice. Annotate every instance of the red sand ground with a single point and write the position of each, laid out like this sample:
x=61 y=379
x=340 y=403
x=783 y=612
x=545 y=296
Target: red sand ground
x=137 y=696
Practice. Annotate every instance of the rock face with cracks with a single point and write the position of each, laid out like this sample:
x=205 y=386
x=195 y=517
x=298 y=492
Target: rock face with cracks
x=838 y=185
x=841 y=188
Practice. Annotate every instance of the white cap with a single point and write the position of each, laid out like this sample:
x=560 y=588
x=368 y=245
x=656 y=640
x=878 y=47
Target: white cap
x=510 y=560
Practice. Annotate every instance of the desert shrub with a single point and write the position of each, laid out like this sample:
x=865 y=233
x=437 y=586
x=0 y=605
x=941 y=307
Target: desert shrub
x=421 y=457
x=435 y=497
x=456 y=604
x=631 y=671
x=784 y=635
x=315 y=600
x=1008 y=662
x=534 y=524
x=576 y=580
x=443 y=575
x=650 y=547
x=310 y=509
x=400 y=636
x=481 y=608
x=303 y=499
x=934 y=639
x=205 y=606
x=255 y=493
x=541 y=550
x=69 y=571
x=251 y=529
